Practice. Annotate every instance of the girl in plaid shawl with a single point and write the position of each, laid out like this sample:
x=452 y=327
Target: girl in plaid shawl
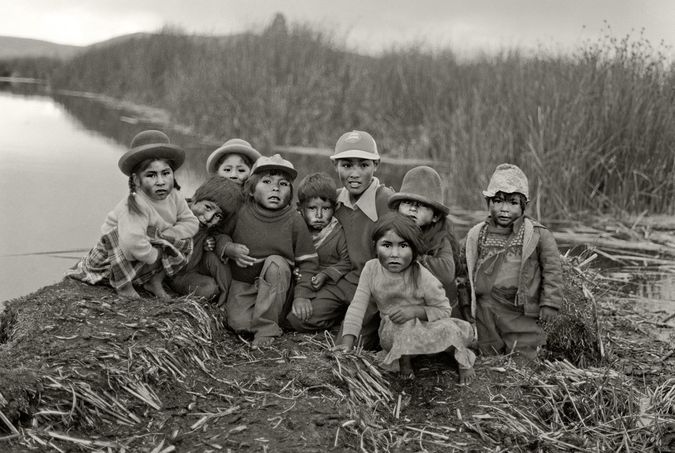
x=148 y=235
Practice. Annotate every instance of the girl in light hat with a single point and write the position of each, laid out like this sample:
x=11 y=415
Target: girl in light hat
x=148 y=235
x=233 y=160
x=421 y=199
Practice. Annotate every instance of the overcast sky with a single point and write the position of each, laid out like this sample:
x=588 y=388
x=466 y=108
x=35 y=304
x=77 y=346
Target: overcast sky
x=367 y=25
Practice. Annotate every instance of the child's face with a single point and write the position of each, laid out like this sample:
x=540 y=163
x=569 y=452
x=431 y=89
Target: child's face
x=505 y=208
x=235 y=168
x=394 y=253
x=355 y=175
x=207 y=212
x=421 y=213
x=273 y=192
x=156 y=181
x=317 y=213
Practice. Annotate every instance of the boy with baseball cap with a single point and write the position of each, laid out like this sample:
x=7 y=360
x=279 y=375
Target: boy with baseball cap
x=360 y=202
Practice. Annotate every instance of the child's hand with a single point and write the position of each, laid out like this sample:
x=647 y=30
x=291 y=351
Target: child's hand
x=209 y=244
x=547 y=314
x=346 y=344
x=302 y=308
x=318 y=281
x=239 y=253
x=399 y=315
x=342 y=348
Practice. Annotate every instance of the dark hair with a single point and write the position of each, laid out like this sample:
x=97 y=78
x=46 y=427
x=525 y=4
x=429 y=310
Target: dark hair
x=521 y=199
x=319 y=185
x=254 y=179
x=140 y=168
x=407 y=229
x=247 y=160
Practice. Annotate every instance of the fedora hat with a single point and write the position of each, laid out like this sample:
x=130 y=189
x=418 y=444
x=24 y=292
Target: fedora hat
x=275 y=162
x=356 y=145
x=421 y=184
x=232 y=146
x=150 y=144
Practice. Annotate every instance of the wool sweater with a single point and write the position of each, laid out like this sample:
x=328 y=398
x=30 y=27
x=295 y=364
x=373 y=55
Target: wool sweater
x=390 y=290
x=358 y=221
x=172 y=217
x=280 y=232
x=439 y=259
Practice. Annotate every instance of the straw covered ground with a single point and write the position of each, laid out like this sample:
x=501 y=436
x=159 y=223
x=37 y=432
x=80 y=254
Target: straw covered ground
x=85 y=370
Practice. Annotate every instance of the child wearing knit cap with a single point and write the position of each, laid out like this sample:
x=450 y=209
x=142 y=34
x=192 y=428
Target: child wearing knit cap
x=514 y=270
x=207 y=274
x=421 y=199
x=270 y=238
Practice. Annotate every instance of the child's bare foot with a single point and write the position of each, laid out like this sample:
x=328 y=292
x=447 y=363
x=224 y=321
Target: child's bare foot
x=262 y=342
x=466 y=375
x=157 y=289
x=128 y=291
x=406 y=369
x=155 y=286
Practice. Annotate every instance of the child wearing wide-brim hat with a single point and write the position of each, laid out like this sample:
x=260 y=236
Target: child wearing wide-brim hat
x=233 y=160
x=148 y=236
x=421 y=199
x=270 y=238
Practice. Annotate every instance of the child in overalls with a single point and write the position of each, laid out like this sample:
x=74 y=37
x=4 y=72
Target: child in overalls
x=276 y=239
x=514 y=270
x=148 y=236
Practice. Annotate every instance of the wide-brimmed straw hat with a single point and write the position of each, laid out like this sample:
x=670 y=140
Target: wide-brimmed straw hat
x=232 y=146
x=421 y=184
x=275 y=162
x=356 y=145
x=150 y=144
x=507 y=178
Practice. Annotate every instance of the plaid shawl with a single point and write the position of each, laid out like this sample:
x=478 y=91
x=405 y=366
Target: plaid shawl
x=106 y=261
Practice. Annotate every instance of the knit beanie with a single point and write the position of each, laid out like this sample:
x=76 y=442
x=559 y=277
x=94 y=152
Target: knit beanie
x=507 y=178
x=223 y=192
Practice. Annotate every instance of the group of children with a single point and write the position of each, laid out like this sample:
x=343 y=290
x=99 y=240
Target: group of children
x=382 y=266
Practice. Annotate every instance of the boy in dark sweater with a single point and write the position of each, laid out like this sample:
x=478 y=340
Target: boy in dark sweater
x=269 y=239
x=360 y=202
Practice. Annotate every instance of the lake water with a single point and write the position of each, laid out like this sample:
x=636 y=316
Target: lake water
x=59 y=178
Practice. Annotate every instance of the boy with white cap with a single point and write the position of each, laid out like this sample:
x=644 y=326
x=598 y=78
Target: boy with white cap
x=514 y=270
x=360 y=203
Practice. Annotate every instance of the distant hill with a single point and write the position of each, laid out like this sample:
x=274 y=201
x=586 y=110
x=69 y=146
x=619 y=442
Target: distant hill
x=12 y=47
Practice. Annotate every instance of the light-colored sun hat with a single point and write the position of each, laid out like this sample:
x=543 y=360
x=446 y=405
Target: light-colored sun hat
x=275 y=162
x=421 y=184
x=232 y=146
x=507 y=178
x=356 y=145
x=150 y=144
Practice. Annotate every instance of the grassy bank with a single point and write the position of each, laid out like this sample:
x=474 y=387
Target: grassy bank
x=593 y=129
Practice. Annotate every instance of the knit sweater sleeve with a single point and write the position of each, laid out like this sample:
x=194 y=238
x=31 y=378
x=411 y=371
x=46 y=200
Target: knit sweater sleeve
x=436 y=303
x=442 y=264
x=357 y=308
x=344 y=265
x=134 y=240
x=186 y=225
x=306 y=258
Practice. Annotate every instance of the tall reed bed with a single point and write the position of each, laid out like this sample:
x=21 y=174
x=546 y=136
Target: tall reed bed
x=593 y=130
